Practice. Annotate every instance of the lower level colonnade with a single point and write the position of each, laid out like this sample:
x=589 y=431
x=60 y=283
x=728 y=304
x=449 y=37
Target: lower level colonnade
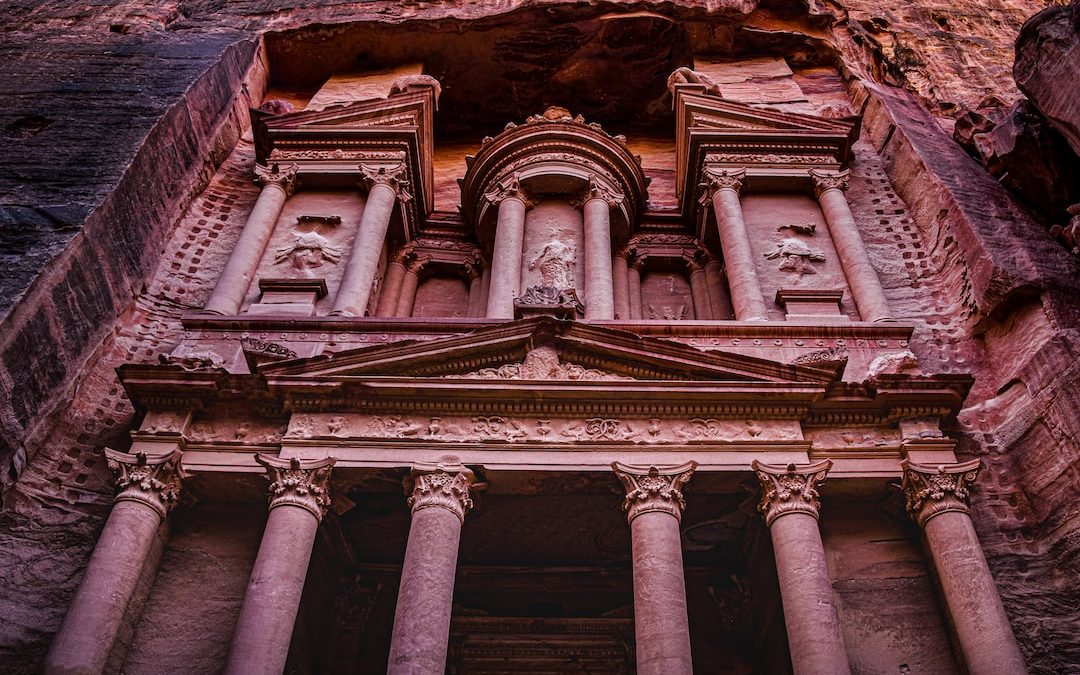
x=440 y=497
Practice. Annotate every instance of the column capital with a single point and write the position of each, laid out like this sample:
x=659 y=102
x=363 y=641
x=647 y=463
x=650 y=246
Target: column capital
x=395 y=177
x=790 y=489
x=829 y=180
x=283 y=177
x=153 y=480
x=637 y=259
x=474 y=268
x=719 y=179
x=930 y=490
x=298 y=482
x=417 y=265
x=649 y=488
x=695 y=260
x=403 y=254
x=508 y=187
x=443 y=485
x=598 y=191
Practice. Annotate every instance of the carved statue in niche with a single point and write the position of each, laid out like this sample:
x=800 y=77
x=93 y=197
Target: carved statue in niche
x=308 y=250
x=795 y=256
x=556 y=265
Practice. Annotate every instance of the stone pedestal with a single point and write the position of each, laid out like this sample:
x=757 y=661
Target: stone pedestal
x=937 y=498
x=277 y=186
x=790 y=505
x=599 y=290
x=721 y=189
x=861 y=276
x=149 y=487
x=385 y=186
x=439 y=501
x=299 y=496
x=509 y=239
x=654 y=504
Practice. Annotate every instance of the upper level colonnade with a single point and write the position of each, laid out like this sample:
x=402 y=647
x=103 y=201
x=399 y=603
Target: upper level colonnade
x=554 y=218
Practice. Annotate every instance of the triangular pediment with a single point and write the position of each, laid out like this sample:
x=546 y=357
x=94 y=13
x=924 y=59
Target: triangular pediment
x=547 y=350
x=702 y=110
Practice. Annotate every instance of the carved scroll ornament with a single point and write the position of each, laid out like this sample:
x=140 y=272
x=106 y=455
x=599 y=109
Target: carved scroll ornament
x=296 y=482
x=932 y=490
x=153 y=480
x=653 y=489
x=790 y=489
x=444 y=485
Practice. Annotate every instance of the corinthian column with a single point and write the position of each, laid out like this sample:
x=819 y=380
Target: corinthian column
x=149 y=488
x=299 y=496
x=395 y=275
x=721 y=187
x=937 y=498
x=654 y=504
x=385 y=186
x=790 y=505
x=277 y=186
x=439 y=501
x=509 y=238
x=599 y=289
x=861 y=275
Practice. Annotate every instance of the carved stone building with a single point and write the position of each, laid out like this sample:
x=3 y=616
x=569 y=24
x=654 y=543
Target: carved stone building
x=651 y=374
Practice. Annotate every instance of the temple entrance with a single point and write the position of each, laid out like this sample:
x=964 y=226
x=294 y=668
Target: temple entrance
x=544 y=581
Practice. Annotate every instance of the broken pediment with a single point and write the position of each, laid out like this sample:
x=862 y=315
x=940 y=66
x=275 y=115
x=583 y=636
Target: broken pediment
x=766 y=142
x=545 y=349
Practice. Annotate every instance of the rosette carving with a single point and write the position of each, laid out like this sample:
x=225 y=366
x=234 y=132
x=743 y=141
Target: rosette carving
x=829 y=180
x=445 y=485
x=932 y=490
x=153 y=480
x=298 y=482
x=653 y=489
x=284 y=177
x=790 y=489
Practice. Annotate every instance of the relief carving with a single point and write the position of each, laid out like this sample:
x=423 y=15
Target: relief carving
x=795 y=256
x=541 y=363
x=790 y=489
x=556 y=264
x=799 y=228
x=266 y=348
x=651 y=489
x=194 y=360
x=308 y=250
x=150 y=480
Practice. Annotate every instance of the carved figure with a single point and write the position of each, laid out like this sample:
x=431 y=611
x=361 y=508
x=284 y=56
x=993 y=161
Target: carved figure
x=194 y=360
x=308 y=250
x=686 y=75
x=668 y=312
x=795 y=256
x=556 y=265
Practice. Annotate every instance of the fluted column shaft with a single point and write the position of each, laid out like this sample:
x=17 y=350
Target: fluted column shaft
x=385 y=186
x=633 y=286
x=620 y=285
x=409 y=284
x=790 y=506
x=232 y=286
x=298 y=499
x=391 y=290
x=654 y=504
x=861 y=276
x=506 y=256
x=937 y=498
x=440 y=498
x=149 y=487
x=722 y=188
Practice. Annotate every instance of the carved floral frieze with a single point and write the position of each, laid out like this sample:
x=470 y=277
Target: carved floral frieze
x=521 y=429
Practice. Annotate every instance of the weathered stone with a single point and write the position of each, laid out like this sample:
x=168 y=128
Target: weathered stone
x=1047 y=67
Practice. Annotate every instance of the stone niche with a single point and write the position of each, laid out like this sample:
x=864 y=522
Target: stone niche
x=554 y=240
x=792 y=248
x=442 y=295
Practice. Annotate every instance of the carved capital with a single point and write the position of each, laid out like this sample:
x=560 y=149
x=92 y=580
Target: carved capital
x=153 y=480
x=790 y=489
x=597 y=190
x=395 y=177
x=638 y=259
x=829 y=180
x=444 y=485
x=473 y=268
x=404 y=254
x=298 y=482
x=508 y=187
x=933 y=490
x=719 y=179
x=283 y=177
x=417 y=265
x=649 y=488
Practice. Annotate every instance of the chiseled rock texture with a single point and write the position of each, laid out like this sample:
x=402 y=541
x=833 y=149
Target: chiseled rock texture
x=122 y=160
